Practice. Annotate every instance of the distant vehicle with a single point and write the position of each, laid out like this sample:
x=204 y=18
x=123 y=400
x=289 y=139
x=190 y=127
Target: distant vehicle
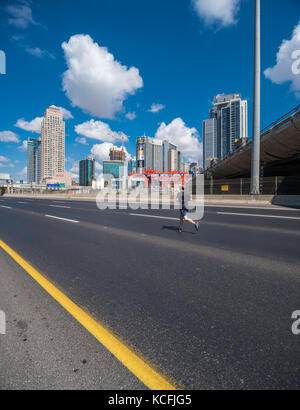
x=2 y=191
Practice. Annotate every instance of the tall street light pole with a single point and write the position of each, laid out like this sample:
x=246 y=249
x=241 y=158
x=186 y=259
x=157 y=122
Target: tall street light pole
x=255 y=166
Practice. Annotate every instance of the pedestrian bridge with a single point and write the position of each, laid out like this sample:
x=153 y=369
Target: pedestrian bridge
x=280 y=151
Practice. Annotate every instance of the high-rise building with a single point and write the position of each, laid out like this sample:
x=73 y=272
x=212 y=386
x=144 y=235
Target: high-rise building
x=53 y=143
x=154 y=154
x=117 y=154
x=231 y=115
x=140 y=154
x=131 y=166
x=156 y=163
x=34 y=159
x=210 y=151
x=166 y=146
x=173 y=160
x=185 y=167
x=149 y=154
x=115 y=168
x=86 y=171
x=38 y=162
x=179 y=161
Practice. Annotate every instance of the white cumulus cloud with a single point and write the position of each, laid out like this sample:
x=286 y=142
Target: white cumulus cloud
x=81 y=140
x=66 y=113
x=131 y=116
x=3 y=159
x=23 y=173
x=101 y=151
x=220 y=12
x=287 y=67
x=75 y=167
x=8 y=136
x=95 y=81
x=98 y=166
x=34 y=125
x=23 y=147
x=99 y=130
x=38 y=52
x=186 y=139
x=156 y=108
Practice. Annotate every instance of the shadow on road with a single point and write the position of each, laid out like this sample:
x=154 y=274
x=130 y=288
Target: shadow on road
x=175 y=228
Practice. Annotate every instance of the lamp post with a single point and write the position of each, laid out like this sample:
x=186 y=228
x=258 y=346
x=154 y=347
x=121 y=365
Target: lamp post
x=255 y=165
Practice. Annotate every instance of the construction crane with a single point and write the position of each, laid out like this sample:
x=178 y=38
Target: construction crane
x=123 y=139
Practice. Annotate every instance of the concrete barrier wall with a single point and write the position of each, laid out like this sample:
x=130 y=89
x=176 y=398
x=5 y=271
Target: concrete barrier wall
x=280 y=200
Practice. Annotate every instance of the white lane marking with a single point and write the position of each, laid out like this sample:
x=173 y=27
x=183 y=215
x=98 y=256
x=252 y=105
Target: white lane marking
x=3 y=206
x=60 y=206
x=269 y=208
x=259 y=216
x=58 y=202
x=22 y=202
x=155 y=216
x=62 y=219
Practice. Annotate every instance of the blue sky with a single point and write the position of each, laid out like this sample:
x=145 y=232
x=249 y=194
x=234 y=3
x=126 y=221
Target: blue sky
x=135 y=67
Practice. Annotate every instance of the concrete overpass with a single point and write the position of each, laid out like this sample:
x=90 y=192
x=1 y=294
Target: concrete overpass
x=280 y=151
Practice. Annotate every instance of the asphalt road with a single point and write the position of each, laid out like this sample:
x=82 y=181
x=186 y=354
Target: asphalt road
x=211 y=309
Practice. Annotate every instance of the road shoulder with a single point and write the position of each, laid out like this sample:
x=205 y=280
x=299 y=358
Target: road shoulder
x=44 y=347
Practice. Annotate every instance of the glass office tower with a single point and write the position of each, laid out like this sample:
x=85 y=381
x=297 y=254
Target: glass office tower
x=209 y=141
x=231 y=115
x=34 y=160
x=86 y=171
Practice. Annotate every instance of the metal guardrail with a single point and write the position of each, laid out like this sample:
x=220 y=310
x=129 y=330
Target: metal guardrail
x=279 y=120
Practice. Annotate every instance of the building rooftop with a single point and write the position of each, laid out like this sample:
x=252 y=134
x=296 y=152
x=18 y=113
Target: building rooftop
x=221 y=98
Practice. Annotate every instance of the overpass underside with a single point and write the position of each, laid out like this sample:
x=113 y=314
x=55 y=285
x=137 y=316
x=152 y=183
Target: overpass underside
x=280 y=152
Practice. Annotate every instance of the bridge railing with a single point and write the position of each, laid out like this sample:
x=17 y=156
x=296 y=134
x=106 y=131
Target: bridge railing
x=278 y=123
x=280 y=120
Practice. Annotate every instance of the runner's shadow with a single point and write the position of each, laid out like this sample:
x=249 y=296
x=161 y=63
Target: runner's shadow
x=174 y=228
x=170 y=228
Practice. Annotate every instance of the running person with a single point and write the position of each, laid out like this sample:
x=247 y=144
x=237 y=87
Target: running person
x=184 y=211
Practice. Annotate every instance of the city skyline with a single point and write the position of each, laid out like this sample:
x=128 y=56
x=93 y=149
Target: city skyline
x=149 y=197
x=162 y=100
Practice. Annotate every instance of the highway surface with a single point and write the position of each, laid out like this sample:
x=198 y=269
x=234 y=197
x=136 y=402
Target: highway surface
x=206 y=310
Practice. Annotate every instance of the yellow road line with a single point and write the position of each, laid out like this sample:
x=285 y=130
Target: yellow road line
x=137 y=365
